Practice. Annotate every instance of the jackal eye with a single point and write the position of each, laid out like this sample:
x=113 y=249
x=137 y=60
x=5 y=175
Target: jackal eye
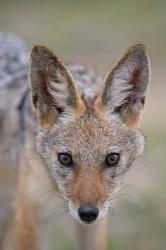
x=65 y=159
x=112 y=159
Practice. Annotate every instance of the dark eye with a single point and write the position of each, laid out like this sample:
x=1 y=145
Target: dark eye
x=112 y=159
x=65 y=159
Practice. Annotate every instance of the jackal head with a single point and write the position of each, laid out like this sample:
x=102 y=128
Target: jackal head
x=88 y=145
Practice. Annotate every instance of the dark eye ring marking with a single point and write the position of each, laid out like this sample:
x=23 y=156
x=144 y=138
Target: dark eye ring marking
x=112 y=159
x=65 y=159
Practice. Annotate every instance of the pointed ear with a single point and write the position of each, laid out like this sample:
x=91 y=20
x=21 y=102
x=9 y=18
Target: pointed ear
x=52 y=87
x=125 y=86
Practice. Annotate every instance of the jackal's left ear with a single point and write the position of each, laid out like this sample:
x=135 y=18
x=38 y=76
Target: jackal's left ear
x=125 y=87
x=52 y=87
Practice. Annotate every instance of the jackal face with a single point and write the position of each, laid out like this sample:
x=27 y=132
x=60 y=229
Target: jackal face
x=88 y=145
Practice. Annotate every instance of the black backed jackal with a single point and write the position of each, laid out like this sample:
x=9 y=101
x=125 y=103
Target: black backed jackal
x=77 y=142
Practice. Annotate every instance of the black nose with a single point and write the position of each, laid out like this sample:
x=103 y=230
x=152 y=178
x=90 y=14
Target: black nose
x=88 y=213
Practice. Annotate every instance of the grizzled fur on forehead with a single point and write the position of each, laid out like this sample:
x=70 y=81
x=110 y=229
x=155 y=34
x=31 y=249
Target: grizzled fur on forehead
x=90 y=138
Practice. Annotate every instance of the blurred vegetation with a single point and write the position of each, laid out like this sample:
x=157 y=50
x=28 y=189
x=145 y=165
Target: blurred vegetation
x=94 y=33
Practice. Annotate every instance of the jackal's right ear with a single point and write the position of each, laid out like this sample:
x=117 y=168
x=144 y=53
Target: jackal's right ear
x=125 y=87
x=52 y=86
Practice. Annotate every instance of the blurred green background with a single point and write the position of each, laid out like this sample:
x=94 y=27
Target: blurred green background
x=94 y=33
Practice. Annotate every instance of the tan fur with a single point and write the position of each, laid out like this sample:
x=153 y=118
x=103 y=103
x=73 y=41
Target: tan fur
x=80 y=109
x=34 y=186
x=99 y=107
x=93 y=237
x=132 y=122
x=79 y=190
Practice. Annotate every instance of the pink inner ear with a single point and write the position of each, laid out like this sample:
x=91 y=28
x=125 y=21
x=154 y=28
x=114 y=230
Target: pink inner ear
x=135 y=80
